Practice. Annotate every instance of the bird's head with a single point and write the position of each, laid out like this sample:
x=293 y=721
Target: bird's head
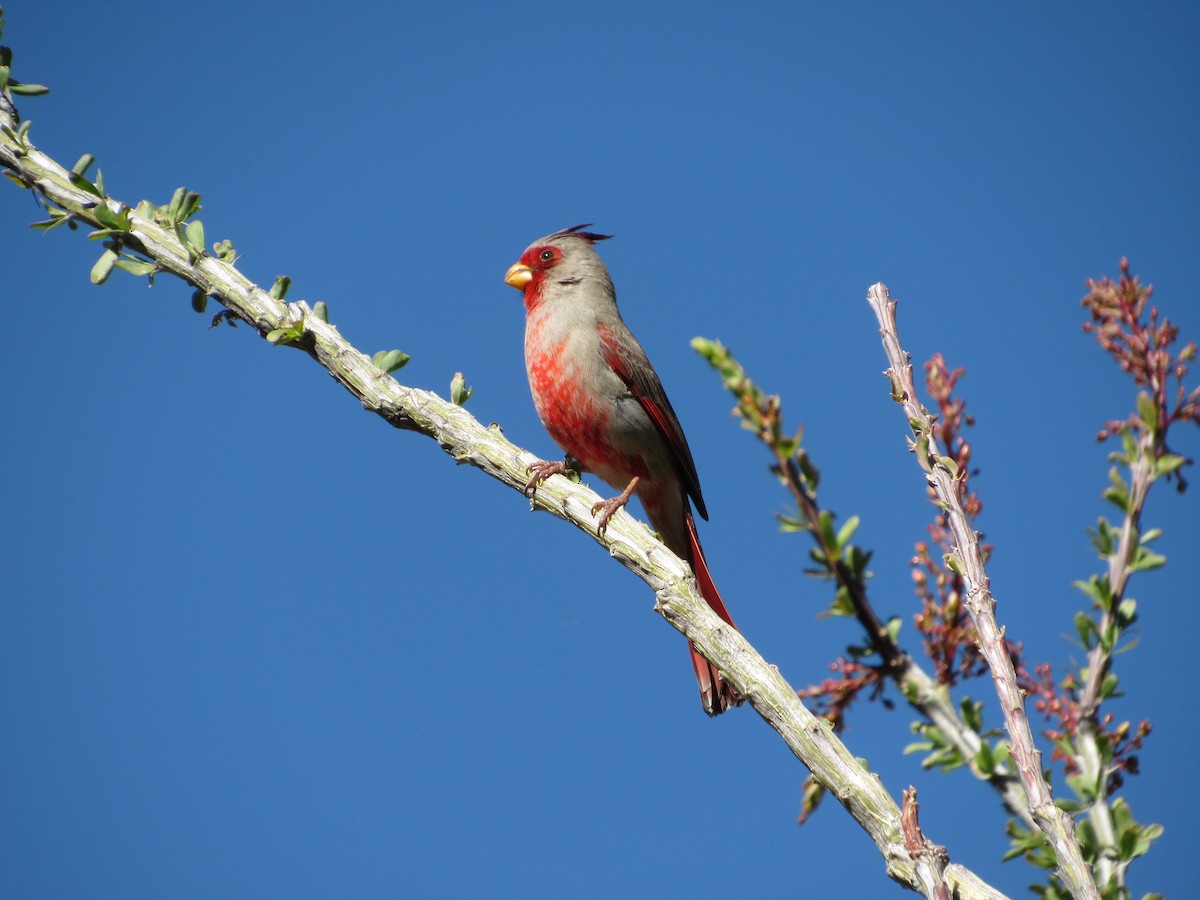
x=564 y=258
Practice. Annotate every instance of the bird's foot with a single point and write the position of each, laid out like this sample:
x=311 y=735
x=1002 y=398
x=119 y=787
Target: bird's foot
x=606 y=508
x=544 y=468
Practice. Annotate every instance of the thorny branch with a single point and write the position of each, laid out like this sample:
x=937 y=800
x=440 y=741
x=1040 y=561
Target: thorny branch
x=967 y=558
x=845 y=564
x=1096 y=752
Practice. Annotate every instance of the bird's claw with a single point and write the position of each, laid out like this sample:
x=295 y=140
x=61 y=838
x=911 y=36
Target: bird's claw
x=542 y=469
x=606 y=508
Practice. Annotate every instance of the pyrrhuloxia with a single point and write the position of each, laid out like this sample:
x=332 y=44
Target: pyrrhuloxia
x=601 y=401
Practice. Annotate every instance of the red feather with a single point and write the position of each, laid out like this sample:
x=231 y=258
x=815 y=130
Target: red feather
x=633 y=368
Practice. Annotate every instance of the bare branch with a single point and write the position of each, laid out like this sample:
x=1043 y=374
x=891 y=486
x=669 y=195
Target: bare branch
x=941 y=472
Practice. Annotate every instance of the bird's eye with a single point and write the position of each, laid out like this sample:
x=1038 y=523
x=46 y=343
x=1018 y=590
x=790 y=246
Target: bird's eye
x=546 y=255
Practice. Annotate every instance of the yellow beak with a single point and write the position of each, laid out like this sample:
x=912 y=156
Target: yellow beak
x=518 y=276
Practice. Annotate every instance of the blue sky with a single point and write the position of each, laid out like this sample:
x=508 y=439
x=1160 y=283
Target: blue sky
x=256 y=643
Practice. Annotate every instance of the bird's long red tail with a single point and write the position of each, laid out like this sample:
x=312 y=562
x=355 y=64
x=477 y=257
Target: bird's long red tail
x=716 y=695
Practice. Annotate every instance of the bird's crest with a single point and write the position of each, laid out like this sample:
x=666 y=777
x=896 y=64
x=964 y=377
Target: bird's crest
x=589 y=236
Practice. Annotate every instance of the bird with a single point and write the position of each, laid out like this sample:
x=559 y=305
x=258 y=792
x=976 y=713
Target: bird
x=600 y=399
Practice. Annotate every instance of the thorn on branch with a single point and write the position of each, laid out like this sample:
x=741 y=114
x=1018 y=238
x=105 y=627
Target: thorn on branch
x=915 y=841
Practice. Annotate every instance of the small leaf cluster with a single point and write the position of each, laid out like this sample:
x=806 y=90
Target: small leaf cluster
x=1130 y=330
x=1095 y=750
x=122 y=249
x=834 y=555
x=945 y=755
x=867 y=665
x=8 y=84
x=1132 y=841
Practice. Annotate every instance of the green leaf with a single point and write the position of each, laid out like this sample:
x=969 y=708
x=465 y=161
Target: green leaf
x=460 y=392
x=1097 y=587
x=286 y=334
x=847 y=531
x=280 y=288
x=792 y=523
x=1085 y=627
x=80 y=182
x=114 y=221
x=858 y=559
x=922 y=450
x=954 y=564
x=1108 y=637
x=27 y=90
x=812 y=475
x=1002 y=752
x=984 y=759
x=809 y=471
x=223 y=250
x=1129 y=444
x=103 y=267
x=972 y=713
x=1147 y=411
x=137 y=267
x=390 y=360
x=1086 y=832
x=1118 y=494
x=1145 y=559
x=1146 y=835
x=1167 y=464
x=946 y=760
x=1108 y=687
x=1104 y=537
x=828 y=535
x=176 y=205
x=57 y=217
x=842 y=605
x=183 y=205
x=1083 y=786
x=194 y=236
x=18 y=137
x=83 y=164
x=321 y=311
x=191 y=205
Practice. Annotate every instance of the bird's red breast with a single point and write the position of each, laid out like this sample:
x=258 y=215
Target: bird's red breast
x=576 y=417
